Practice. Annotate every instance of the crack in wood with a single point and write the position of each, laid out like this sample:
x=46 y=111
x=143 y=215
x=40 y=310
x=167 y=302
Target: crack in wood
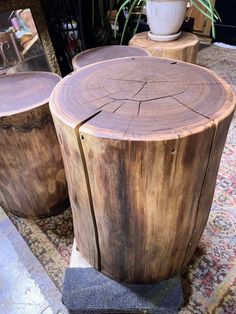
x=94 y=100
x=141 y=88
x=186 y=106
x=108 y=103
x=125 y=80
x=200 y=197
x=87 y=180
x=119 y=107
x=128 y=127
x=139 y=105
x=152 y=99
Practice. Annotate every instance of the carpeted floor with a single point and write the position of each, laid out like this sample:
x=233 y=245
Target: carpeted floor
x=210 y=281
x=50 y=239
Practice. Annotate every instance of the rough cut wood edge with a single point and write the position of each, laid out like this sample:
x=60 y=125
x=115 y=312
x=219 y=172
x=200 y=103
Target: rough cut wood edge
x=178 y=50
x=85 y=228
x=209 y=184
x=28 y=120
x=32 y=176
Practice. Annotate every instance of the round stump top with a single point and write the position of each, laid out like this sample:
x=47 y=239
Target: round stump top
x=23 y=91
x=142 y=98
x=141 y=40
x=104 y=53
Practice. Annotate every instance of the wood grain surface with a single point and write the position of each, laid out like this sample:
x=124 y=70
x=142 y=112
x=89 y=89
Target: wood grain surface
x=32 y=178
x=104 y=53
x=185 y=48
x=148 y=135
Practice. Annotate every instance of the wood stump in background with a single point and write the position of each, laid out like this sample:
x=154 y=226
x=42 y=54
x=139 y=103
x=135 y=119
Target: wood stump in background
x=32 y=178
x=104 y=53
x=141 y=140
x=185 y=48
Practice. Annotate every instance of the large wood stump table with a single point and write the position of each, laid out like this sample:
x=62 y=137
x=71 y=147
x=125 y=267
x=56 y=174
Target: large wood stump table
x=32 y=178
x=185 y=48
x=142 y=139
x=104 y=53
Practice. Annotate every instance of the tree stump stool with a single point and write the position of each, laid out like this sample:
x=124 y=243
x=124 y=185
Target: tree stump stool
x=32 y=178
x=141 y=139
x=185 y=48
x=104 y=53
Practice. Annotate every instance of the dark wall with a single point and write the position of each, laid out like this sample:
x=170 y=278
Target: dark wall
x=72 y=30
x=227 y=10
x=226 y=30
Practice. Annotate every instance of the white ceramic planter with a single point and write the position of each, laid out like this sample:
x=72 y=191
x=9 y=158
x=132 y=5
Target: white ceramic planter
x=165 y=18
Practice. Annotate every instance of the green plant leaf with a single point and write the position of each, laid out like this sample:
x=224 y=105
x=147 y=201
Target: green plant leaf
x=118 y=13
x=101 y=10
x=140 y=14
x=210 y=9
x=127 y=19
x=201 y=10
x=211 y=13
x=212 y=20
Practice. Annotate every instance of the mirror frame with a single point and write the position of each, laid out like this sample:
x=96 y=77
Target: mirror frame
x=41 y=26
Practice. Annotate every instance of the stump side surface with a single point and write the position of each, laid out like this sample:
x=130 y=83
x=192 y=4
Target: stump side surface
x=185 y=40
x=185 y=48
x=32 y=176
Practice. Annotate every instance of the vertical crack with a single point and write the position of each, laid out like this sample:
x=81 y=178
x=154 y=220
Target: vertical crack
x=200 y=196
x=128 y=127
x=89 y=190
x=139 y=105
x=108 y=103
x=201 y=114
x=141 y=88
x=118 y=107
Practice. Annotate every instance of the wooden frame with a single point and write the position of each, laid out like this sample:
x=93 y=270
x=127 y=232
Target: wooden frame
x=40 y=22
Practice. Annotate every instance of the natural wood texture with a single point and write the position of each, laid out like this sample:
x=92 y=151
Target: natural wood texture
x=80 y=199
x=32 y=178
x=202 y=25
x=142 y=145
x=104 y=53
x=185 y=48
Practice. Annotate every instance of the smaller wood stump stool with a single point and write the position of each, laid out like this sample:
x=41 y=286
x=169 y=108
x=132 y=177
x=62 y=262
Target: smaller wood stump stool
x=143 y=143
x=104 y=53
x=32 y=178
x=185 y=48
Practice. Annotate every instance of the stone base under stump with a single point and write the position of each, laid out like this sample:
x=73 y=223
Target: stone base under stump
x=88 y=291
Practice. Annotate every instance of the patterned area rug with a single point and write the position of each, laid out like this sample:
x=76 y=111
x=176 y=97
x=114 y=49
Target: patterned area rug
x=210 y=281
